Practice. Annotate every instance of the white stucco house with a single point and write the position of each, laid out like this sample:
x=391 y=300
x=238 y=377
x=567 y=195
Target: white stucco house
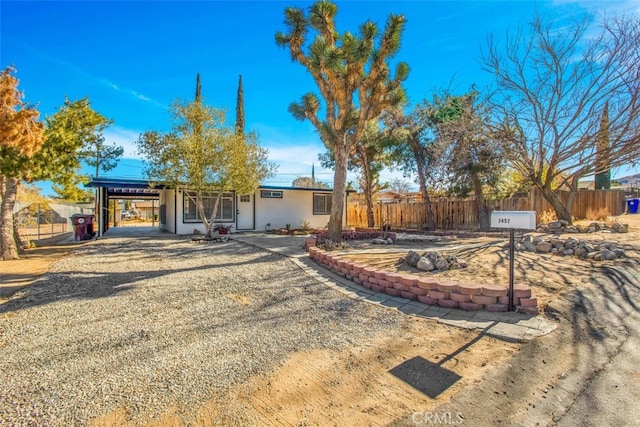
x=269 y=207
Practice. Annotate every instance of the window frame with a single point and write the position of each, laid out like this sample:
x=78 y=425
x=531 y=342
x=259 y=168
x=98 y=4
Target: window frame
x=227 y=196
x=271 y=194
x=327 y=204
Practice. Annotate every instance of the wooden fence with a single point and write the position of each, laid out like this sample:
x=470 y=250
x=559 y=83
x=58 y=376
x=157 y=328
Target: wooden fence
x=462 y=214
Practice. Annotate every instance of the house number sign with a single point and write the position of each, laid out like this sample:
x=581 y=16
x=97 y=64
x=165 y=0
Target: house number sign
x=513 y=219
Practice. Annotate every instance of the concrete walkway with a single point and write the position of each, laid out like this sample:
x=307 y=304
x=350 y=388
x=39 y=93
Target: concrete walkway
x=509 y=326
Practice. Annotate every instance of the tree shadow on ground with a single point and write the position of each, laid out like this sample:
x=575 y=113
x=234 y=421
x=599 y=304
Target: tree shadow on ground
x=94 y=283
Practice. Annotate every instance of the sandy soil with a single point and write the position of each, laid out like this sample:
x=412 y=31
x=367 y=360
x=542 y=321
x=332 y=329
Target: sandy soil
x=421 y=369
x=16 y=274
x=550 y=276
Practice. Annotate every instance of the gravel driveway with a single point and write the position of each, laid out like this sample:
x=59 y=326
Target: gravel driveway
x=147 y=324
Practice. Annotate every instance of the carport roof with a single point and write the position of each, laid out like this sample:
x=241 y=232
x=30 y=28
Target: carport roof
x=126 y=188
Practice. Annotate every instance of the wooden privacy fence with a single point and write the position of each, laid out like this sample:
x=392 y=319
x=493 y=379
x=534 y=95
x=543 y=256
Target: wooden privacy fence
x=462 y=214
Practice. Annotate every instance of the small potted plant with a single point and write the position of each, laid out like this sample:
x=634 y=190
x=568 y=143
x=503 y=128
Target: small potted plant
x=222 y=228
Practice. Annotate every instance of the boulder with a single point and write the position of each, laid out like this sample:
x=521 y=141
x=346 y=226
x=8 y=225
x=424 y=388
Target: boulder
x=424 y=264
x=555 y=225
x=543 y=247
x=581 y=252
x=441 y=264
x=412 y=258
x=608 y=255
x=379 y=242
x=529 y=246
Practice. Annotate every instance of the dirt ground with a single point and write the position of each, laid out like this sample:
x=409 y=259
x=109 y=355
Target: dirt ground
x=550 y=276
x=420 y=370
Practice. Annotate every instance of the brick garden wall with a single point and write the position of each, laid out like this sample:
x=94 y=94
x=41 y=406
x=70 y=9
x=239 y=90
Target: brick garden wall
x=429 y=291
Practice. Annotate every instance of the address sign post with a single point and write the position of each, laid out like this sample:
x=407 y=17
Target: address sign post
x=513 y=220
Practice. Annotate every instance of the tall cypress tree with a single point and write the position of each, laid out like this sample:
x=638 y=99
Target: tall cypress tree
x=198 y=89
x=603 y=167
x=240 y=109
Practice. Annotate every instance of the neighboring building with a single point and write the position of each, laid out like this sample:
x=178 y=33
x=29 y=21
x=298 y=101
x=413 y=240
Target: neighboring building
x=391 y=196
x=269 y=207
x=146 y=209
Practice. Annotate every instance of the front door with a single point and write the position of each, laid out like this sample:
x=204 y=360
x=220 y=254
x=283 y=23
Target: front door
x=245 y=212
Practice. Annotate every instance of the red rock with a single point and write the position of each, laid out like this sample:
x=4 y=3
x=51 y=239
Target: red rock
x=470 y=306
x=376 y=288
x=363 y=277
x=408 y=279
x=447 y=303
x=448 y=286
x=438 y=294
x=373 y=281
x=357 y=280
x=484 y=299
x=392 y=277
x=505 y=300
x=427 y=283
x=369 y=271
x=496 y=307
x=459 y=297
x=529 y=302
x=522 y=291
x=381 y=275
x=401 y=286
x=407 y=295
x=469 y=289
x=418 y=291
x=384 y=283
x=494 y=291
x=392 y=291
x=427 y=300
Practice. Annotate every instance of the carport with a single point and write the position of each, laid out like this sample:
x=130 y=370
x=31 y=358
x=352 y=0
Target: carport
x=119 y=189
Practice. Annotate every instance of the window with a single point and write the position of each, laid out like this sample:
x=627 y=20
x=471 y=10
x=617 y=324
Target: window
x=321 y=203
x=270 y=194
x=245 y=198
x=225 y=207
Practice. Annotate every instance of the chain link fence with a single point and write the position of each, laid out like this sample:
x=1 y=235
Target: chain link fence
x=36 y=221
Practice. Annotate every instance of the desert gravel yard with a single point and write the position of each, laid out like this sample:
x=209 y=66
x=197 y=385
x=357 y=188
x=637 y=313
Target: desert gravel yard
x=165 y=331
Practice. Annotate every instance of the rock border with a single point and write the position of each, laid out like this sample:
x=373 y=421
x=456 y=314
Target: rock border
x=429 y=291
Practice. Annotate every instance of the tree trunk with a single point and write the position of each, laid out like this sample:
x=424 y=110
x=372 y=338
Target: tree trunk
x=483 y=215
x=562 y=212
x=8 y=246
x=339 y=191
x=368 y=190
x=422 y=181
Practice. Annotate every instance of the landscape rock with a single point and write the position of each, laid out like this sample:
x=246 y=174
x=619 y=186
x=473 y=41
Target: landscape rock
x=425 y=264
x=543 y=247
x=412 y=258
x=442 y=264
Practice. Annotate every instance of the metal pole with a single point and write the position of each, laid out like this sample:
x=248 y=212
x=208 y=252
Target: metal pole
x=511 y=263
x=38 y=221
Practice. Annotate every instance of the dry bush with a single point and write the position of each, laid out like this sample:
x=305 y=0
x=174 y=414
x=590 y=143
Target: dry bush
x=598 y=215
x=547 y=217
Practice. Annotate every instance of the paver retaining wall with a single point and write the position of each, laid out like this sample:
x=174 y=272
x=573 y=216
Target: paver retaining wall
x=427 y=290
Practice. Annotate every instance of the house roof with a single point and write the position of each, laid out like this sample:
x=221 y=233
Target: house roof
x=138 y=188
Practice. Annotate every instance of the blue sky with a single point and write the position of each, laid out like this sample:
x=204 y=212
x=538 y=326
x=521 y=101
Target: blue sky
x=133 y=59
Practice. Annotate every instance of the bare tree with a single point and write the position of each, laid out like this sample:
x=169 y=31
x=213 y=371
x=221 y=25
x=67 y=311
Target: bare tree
x=553 y=85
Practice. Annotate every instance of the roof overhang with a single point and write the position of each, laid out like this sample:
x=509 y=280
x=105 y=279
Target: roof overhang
x=126 y=188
